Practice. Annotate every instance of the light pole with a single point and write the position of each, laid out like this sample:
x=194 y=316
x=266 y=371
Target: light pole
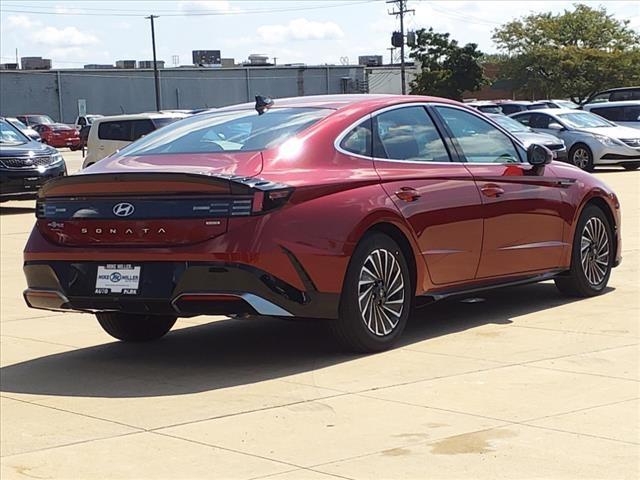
x=156 y=78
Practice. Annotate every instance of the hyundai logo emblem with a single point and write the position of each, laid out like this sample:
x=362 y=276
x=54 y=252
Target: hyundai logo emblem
x=123 y=209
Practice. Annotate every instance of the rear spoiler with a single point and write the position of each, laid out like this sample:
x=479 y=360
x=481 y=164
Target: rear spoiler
x=155 y=183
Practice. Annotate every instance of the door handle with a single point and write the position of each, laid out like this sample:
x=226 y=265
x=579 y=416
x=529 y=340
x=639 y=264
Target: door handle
x=492 y=190
x=408 y=194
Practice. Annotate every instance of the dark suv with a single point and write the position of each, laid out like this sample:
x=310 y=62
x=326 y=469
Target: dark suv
x=25 y=165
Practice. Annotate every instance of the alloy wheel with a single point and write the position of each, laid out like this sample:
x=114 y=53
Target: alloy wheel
x=381 y=293
x=594 y=251
x=581 y=158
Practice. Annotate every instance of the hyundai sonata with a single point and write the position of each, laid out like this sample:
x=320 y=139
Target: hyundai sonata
x=347 y=208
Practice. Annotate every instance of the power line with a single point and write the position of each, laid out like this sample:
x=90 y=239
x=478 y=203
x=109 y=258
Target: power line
x=123 y=13
x=402 y=9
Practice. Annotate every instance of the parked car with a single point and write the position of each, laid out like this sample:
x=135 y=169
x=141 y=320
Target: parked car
x=528 y=137
x=615 y=95
x=485 y=106
x=626 y=113
x=59 y=135
x=25 y=164
x=35 y=119
x=510 y=107
x=591 y=139
x=109 y=134
x=345 y=208
x=563 y=104
x=28 y=131
x=84 y=120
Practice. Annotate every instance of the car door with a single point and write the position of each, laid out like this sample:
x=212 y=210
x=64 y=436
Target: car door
x=522 y=205
x=436 y=196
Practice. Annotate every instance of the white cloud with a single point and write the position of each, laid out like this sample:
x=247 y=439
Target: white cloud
x=63 y=37
x=21 y=21
x=299 y=29
x=217 y=6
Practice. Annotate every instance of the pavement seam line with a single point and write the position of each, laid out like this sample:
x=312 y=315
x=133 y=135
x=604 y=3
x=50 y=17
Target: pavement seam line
x=582 y=373
x=71 y=444
x=41 y=341
x=571 y=331
x=534 y=419
x=35 y=404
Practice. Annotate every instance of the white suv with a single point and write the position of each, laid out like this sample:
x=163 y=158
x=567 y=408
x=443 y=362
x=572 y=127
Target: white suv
x=110 y=134
x=623 y=113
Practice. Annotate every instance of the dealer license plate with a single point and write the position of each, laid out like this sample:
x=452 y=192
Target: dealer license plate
x=120 y=278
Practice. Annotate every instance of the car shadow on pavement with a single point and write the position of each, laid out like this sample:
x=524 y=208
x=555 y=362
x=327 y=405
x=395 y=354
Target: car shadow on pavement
x=16 y=210
x=229 y=353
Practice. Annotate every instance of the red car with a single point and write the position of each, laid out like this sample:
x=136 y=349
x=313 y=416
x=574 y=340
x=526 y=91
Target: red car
x=59 y=135
x=350 y=208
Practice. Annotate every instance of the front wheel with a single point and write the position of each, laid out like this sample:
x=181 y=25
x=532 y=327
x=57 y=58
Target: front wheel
x=376 y=296
x=582 y=157
x=592 y=256
x=134 y=327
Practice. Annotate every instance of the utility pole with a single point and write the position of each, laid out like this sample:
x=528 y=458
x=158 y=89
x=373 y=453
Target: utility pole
x=402 y=9
x=391 y=50
x=155 y=63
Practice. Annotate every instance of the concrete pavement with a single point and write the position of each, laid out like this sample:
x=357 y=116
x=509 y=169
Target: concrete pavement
x=527 y=384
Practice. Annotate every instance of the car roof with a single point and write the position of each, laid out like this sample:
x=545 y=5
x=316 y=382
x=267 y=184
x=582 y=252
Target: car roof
x=139 y=116
x=339 y=101
x=619 y=103
x=618 y=89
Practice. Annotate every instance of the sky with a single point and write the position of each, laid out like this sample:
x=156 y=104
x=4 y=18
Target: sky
x=74 y=33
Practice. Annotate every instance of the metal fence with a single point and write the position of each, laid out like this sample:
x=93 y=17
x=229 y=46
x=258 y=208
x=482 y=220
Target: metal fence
x=109 y=92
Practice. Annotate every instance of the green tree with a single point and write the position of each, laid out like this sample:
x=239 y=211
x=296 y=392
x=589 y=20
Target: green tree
x=448 y=69
x=572 y=54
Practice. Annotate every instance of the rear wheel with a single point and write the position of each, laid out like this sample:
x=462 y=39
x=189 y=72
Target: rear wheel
x=376 y=296
x=631 y=165
x=135 y=328
x=592 y=256
x=582 y=157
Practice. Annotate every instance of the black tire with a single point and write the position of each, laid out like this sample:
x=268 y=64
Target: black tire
x=351 y=330
x=581 y=156
x=134 y=327
x=576 y=282
x=631 y=165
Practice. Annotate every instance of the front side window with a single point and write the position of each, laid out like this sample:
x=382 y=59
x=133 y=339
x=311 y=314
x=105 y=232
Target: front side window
x=631 y=114
x=539 y=120
x=408 y=134
x=228 y=131
x=140 y=128
x=479 y=141
x=358 y=140
x=601 y=97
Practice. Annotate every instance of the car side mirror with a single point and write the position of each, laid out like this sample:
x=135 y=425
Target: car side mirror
x=556 y=126
x=538 y=155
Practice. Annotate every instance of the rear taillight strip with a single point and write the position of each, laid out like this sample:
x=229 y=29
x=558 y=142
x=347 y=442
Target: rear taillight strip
x=138 y=209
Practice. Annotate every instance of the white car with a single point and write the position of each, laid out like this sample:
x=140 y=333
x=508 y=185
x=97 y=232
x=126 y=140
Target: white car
x=84 y=120
x=110 y=134
x=591 y=139
x=625 y=113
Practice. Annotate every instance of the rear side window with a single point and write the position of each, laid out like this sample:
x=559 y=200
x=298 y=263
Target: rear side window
x=161 y=122
x=228 y=131
x=615 y=114
x=509 y=109
x=624 y=95
x=119 y=130
x=408 y=134
x=358 y=140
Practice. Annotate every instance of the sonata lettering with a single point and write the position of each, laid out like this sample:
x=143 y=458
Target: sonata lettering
x=128 y=231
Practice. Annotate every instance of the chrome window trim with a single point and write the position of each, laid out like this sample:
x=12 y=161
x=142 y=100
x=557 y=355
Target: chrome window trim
x=340 y=137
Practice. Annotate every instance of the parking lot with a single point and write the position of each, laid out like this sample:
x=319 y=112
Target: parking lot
x=526 y=383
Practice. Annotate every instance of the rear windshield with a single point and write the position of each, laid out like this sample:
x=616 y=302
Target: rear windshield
x=39 y=120
x=230 y=131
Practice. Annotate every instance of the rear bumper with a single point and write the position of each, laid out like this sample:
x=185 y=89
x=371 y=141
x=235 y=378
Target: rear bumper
x=183 y=289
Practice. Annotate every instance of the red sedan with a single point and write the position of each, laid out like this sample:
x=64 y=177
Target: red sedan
x=345 y=208
x=59 y=135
